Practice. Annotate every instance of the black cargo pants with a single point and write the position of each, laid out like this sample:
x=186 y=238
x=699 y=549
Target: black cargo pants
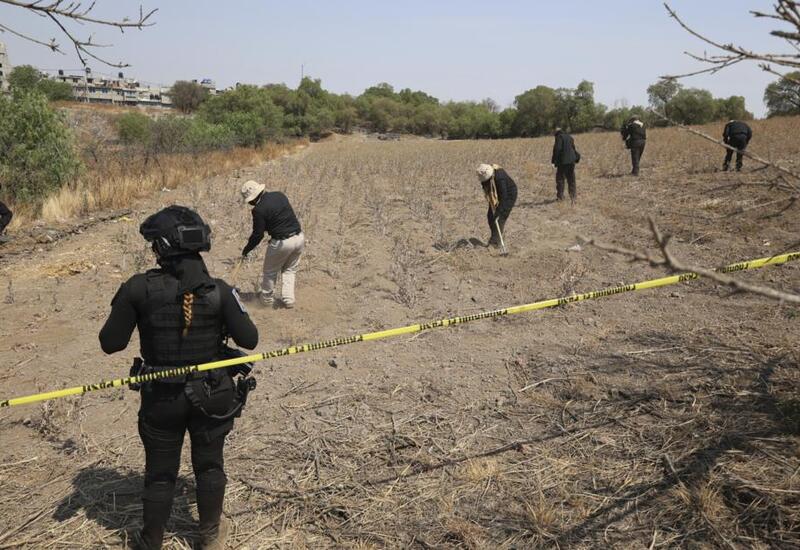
x=164 y=417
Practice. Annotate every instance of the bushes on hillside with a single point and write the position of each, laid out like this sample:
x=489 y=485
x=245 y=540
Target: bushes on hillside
x=36 y=148
x=25 y=79
x=173 y=134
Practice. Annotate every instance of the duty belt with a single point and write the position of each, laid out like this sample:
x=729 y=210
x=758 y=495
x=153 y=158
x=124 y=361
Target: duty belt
x=289 y=236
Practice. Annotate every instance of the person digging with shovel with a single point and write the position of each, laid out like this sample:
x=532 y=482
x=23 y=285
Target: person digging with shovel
x=273 y=214
x=501 y=194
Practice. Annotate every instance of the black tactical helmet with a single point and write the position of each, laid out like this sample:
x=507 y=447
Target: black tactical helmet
x=176 y=230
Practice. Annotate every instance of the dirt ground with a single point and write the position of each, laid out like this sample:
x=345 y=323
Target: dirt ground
x=663 y=418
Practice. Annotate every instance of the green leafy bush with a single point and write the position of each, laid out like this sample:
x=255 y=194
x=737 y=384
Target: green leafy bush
x=36 y=149
x=204 y=136
x=25 y=78
x=134 y=128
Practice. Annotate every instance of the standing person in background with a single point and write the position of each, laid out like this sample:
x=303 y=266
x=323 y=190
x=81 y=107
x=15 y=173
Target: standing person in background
x=5 y=219
x=565 y=157
x=737 y=134
x=635 y=136
x=501 y=193
x=273 y=214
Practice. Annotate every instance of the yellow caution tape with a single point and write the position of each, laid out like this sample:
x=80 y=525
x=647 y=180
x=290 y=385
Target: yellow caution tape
x=410 y=329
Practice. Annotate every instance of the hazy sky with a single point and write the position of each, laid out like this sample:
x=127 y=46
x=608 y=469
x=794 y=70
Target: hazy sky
x=451 y=49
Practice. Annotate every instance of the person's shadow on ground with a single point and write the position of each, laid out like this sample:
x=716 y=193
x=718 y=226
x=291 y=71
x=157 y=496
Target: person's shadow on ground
x=112 y=498
x=532 y=204
x=471 y=242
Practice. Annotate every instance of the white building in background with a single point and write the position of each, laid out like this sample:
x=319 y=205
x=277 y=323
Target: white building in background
x=5 y=68
x=119 y=90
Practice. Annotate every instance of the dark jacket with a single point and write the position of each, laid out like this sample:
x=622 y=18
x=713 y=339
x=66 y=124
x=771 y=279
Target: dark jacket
x=506 y=190
x=5 y=216
x=564 y=151
x=737 y=129
x=272 y=214
x=634 y=134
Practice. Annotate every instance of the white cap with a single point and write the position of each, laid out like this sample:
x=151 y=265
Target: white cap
x=485 y=172
x=252 y=189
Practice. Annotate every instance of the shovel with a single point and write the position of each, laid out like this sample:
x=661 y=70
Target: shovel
x=235 y=273
x=502 y=242
x=496 y=224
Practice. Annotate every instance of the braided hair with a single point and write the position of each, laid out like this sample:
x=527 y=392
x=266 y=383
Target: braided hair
x=188 y=300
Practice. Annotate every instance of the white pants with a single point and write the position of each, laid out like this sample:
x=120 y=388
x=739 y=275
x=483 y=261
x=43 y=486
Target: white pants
x=282 y=257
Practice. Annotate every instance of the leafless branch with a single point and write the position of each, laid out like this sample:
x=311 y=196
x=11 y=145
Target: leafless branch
x=61 y=11
x=746 y=153
x=786 y=11
x=675 y=265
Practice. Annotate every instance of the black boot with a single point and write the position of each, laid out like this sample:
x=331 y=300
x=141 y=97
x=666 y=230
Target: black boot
x=155 y=516
x=213 y=527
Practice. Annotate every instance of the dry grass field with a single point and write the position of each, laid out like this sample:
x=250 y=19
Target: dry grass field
x=658 y=419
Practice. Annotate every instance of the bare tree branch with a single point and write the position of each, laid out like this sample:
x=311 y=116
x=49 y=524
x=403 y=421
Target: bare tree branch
x=60 y=11
x=785 y=11
x=676 y=265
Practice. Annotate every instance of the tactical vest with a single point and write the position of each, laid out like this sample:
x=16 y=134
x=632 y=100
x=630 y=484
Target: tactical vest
x=162 y=322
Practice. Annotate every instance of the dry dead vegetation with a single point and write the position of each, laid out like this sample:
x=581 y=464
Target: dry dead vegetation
x=658 y=419
x=115 y=176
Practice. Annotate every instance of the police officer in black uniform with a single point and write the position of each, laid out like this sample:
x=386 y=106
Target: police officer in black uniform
x=183 y=316
x=737 y=134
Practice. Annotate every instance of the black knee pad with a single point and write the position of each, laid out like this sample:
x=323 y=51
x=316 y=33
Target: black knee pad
x=211 y=479
x=159 y=489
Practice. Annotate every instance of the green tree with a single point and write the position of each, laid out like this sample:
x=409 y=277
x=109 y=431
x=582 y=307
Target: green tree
x=36 y=149
x=416 y=98
x=577 y=110
x=25 y=78
x=661 y=93
x=783 y=96
x=380 y=90
x=187 y=96
x=732 y=108
x=693 y=106
x=536 y=112
x=248 y=111
x=55 y=90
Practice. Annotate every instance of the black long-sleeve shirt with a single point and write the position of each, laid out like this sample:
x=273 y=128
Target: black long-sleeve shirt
x=274 y=215
x=634 y=134
x=126 y=309
x=737 y=128
x=506 y=191
x=5 y=216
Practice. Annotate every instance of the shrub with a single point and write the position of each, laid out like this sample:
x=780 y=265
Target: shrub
x=36 y=149
x=26 y=78
x=204 y=136
x=134 y=128
x=168 y=134
x=248 y=112
x=187 y=96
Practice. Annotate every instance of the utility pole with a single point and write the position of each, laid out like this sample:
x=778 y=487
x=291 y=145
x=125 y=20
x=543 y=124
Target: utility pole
x=302 y=73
